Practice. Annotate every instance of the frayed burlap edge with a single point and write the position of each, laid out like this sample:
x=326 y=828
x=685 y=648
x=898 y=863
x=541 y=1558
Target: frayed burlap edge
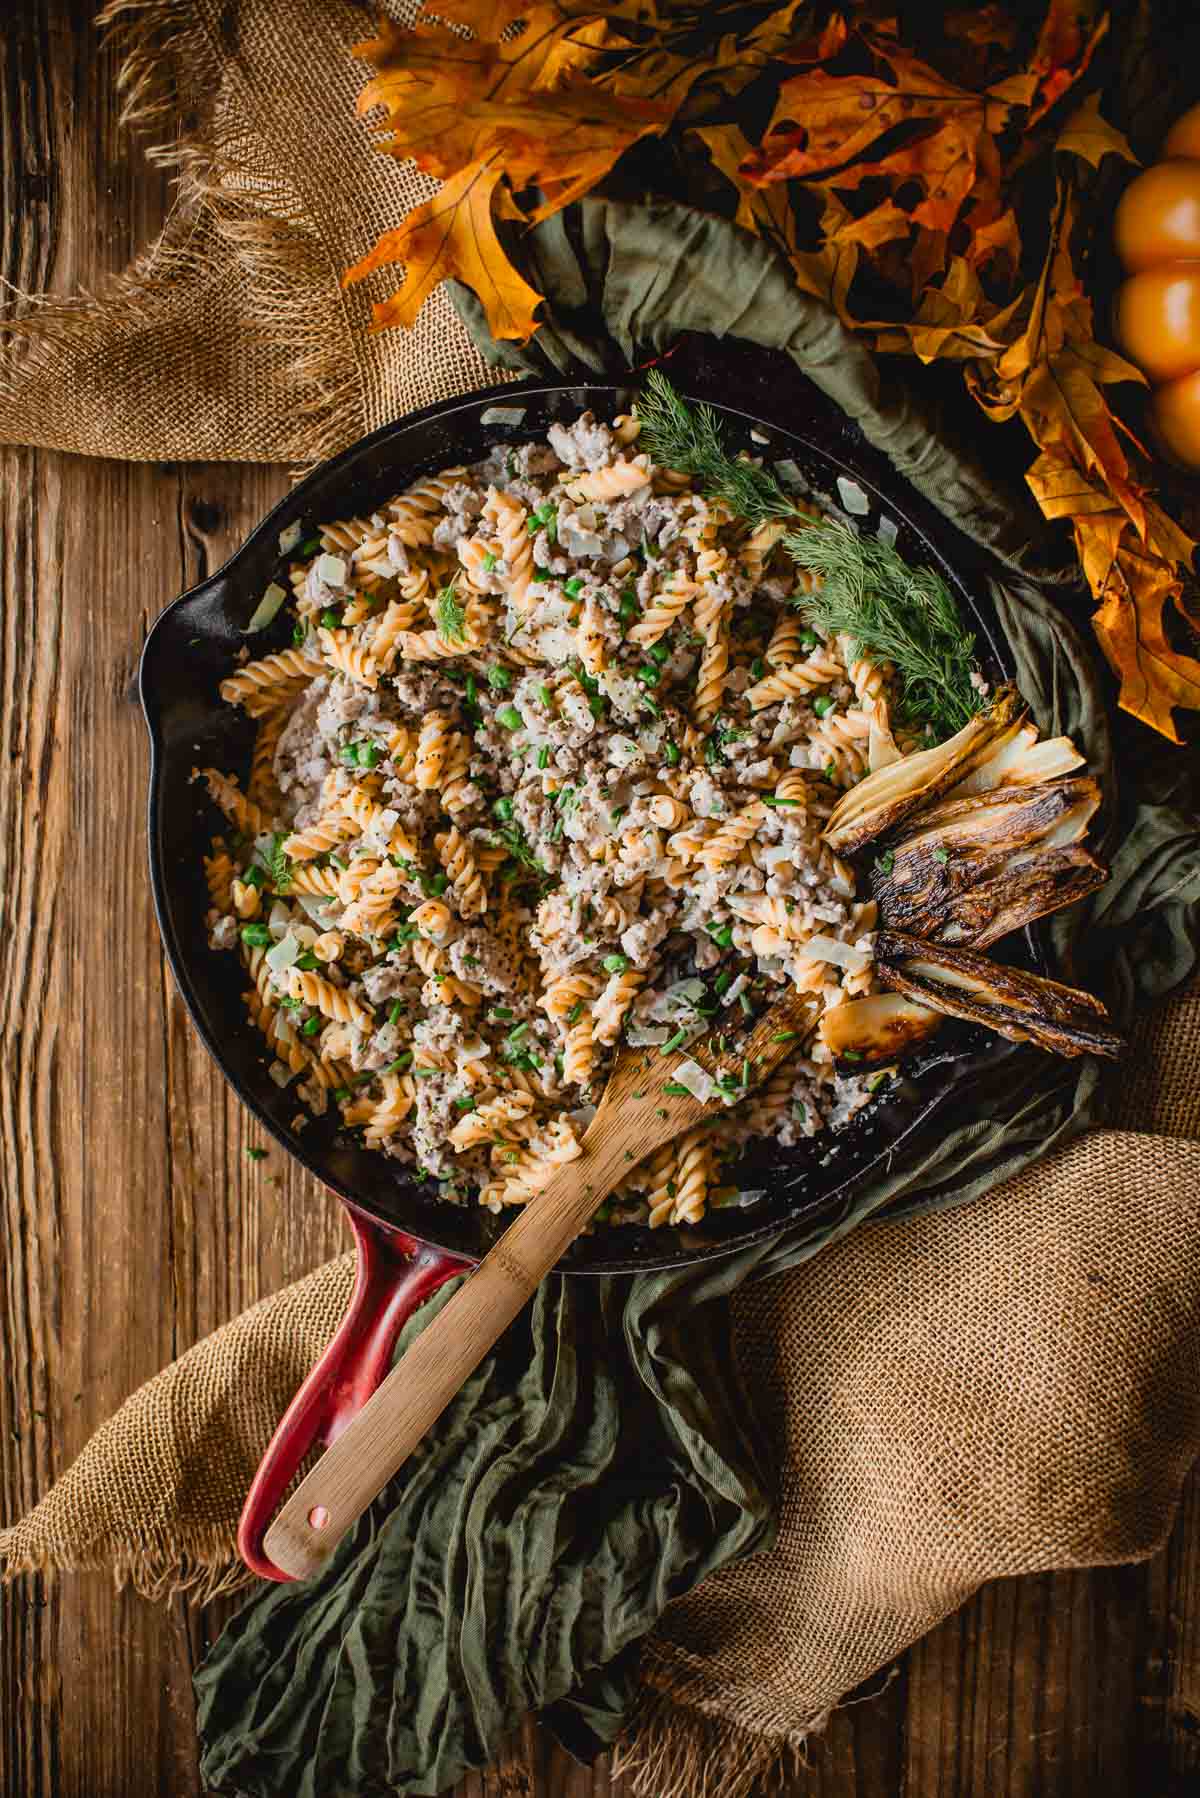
x=160 y=1565
x=229 y=208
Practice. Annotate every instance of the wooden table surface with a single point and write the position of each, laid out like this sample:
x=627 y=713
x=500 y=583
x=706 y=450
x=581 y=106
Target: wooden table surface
x=133 y=1220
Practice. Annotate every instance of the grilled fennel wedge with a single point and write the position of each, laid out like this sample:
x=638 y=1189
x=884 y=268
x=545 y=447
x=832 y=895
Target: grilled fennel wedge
x=1025 y=1008
x=971 y=870
x=881 y=801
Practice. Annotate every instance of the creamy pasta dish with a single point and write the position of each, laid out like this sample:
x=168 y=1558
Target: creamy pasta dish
x=544 y=773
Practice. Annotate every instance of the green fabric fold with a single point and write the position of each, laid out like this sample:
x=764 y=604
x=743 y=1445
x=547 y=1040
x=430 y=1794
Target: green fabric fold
x=603 y=1460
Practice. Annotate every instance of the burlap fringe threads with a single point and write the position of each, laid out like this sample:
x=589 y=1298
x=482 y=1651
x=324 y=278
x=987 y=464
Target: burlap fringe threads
x=232 y=206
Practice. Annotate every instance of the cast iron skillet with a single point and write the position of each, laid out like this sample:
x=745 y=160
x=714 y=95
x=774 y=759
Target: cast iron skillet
x=410 y=1240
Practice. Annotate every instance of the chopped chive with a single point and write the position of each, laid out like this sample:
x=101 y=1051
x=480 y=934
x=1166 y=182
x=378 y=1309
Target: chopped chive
x=331 y=619
x=744 y=1002
x=307 y=963
x=660 y=1111
x=255 y=877
x=648 y=674
x=574 y=1013
x=517 y=1032
x=615 y=964
x=671 y=751
x=651 y=705
x=784 y=1036
x=489 y=562
x=503 y=808
x=467 y=1104
x=640 y=1094
x=257 y=1154
x=541 y=574
x=675 y=1090
x=396 y=1012
x=658 y=652
x=721 y=934
x=757 y=668
x=885 y=863
x=746 y=1072
x=424 y=1073
x=941 y=855
x=499 y=679
x=851 y=1054
x=299 y=633
x=673 y=1042
x=341 y=1094
x=472 y=689
x=311 y=1026
x=722 y=981
x=574 y=587
x=543 y=756
x=401 y=1062
x=546 y=696
x=509 y=717
x=309 y=547
x=823 y=705
x=808 y=639
x=770 y=799
x=829 y=771
x=503 y=1012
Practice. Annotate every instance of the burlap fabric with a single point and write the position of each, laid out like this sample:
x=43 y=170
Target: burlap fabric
x=232 y=338
x=955 y=1396
x=952 y=1396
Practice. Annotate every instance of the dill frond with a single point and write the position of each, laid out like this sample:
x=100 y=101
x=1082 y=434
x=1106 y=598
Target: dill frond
x=890 y=612
x=895 y=613
x=688 y=438
x=450 y=614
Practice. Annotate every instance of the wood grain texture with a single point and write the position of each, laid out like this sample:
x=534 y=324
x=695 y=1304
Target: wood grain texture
x=133 y=1221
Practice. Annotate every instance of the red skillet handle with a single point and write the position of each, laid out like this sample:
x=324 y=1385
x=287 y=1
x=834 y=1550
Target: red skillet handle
x=395 y=1274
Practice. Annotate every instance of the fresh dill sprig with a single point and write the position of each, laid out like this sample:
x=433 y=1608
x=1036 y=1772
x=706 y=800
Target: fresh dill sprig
x=906 y=616
x=894 y=613
x=451 y=616
x=688 y=438
x=276 y=864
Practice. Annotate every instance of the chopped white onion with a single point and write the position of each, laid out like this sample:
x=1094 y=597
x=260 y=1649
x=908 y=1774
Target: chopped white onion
x=789 y=473
x=645 y=1036
x=476 y=1051
x=700 y=1084
x=289 y=538
x=317 y=906
x=502 y=415
x=759 y=437
x=622 y=751
x=853 y=497
x=888 y=530
x=732 y=993
x=843 y=955
x=331 y=570
x=280 y=1073
x=266 y=608
x=283 y=953
x=279 y=919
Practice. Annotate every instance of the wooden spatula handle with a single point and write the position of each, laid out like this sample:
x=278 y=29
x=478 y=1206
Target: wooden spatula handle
x=359 y=1463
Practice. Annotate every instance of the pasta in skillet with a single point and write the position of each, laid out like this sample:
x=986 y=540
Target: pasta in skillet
x=544 y=772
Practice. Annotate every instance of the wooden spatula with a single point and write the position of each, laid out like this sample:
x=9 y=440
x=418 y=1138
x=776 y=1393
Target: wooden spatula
x=642 y=1108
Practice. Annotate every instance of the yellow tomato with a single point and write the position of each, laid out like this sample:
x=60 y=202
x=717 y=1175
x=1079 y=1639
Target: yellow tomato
x=1175 y=415
x=1157 y=320
x=1158 y=216
x=1183 y=139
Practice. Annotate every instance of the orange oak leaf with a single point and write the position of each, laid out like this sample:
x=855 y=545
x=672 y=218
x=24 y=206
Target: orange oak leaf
x=1086 y=134
x=453 y=236
x=1131 y=626
x=1064 y=49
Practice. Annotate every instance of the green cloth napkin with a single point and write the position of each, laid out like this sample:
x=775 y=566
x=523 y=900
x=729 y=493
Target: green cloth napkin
x=602 y=1460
